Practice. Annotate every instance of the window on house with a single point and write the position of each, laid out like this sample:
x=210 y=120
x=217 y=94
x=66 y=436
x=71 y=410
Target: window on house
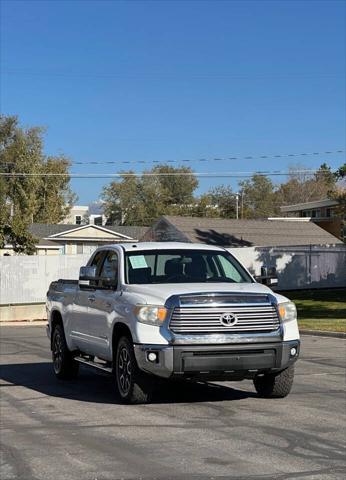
x=80 y=248
x=78 y=219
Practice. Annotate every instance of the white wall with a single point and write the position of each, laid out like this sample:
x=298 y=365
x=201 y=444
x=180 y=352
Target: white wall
x=298 y=267
x=25 y=279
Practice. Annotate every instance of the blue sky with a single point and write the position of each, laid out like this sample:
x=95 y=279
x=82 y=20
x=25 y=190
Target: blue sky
x=173 y=80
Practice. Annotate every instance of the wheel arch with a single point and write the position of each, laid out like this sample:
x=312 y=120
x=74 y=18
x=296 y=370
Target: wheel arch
x=120 y=330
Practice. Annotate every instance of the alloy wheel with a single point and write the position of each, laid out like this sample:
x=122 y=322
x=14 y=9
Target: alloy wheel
x=57 y=352
x=124 y=371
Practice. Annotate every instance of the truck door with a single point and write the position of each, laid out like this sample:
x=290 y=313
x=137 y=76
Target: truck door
x=104 y=308
x=81 y=308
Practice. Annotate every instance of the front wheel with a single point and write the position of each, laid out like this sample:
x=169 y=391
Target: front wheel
x=65 y=367
x=132 y=384
x=275 y=385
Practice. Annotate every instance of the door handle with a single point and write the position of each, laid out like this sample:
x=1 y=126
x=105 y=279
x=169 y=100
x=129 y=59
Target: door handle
x=91 y=298
x=108 y=304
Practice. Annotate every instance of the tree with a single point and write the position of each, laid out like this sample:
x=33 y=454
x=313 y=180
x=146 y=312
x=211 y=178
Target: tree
x=301 y=187
x=33 y=197
x=16 y=234
x=140 y=200
x=55 y=196
x=340 y=173
x=258 y=197
x=202 y=206
x=324 y=177
x=123 y=202
x=178 y=189
x=224 y=199
x=339 y=194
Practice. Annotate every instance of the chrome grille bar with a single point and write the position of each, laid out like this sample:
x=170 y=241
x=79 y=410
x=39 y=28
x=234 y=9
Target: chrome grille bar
x=207 y=319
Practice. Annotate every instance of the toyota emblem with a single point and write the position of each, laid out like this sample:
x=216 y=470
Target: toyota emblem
x=228 y=319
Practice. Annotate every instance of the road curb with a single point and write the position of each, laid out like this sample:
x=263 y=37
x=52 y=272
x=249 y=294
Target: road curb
x=321 y=333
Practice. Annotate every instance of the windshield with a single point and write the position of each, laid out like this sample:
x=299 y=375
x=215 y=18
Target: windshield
x=183 y=266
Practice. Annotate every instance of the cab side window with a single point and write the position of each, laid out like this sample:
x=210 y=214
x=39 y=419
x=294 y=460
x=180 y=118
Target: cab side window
x=97 y=262
x=109 y=271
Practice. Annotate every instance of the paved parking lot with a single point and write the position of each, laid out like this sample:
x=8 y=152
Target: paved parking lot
x=77 y=430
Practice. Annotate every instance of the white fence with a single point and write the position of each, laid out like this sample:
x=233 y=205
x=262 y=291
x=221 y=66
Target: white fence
x=25 y=279
x=298 y=267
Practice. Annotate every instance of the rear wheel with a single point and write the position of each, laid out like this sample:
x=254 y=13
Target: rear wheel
x=133 y=385
x=275 y=385
x=64 y=365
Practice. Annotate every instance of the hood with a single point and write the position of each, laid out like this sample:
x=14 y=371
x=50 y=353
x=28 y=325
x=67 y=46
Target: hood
x=157 y=294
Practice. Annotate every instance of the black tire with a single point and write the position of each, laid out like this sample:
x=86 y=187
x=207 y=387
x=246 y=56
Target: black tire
x=132 y=385
x=275 y=385
x=64 y=366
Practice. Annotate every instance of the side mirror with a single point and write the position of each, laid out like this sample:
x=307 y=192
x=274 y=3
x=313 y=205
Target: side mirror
x=268 y=276
x=268 y=271
x=272 y=282
x=86 y=274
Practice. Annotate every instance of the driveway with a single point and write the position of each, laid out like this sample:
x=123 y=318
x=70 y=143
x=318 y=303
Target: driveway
x=78 y=430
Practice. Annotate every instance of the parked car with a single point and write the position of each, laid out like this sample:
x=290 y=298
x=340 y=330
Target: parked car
x=146 y=311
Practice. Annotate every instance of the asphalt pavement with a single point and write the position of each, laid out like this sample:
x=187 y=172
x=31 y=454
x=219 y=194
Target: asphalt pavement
x=78 y=430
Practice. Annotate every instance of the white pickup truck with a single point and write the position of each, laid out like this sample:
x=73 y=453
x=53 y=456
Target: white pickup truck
x=145 y=311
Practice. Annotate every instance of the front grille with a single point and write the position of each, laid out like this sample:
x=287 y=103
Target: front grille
x=199 y=320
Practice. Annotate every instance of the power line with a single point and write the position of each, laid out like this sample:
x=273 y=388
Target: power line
x=159 y=75
x=172 y=174
x=215 y=159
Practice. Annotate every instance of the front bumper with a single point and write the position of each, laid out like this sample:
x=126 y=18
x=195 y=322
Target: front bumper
x=216 y=361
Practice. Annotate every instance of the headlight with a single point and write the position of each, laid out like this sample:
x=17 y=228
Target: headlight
x=151 y=314
x=287 y=311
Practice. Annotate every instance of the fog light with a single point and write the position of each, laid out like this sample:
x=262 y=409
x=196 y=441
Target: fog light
x=293 y=352
x=152 y=357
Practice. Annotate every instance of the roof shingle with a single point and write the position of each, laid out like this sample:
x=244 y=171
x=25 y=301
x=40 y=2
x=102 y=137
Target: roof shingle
x=45 y=230
x=225 y=232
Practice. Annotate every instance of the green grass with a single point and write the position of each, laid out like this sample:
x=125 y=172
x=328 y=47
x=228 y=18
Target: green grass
x=332 y=325
x=320 y=309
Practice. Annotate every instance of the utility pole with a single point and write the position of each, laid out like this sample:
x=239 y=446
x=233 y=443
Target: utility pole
x=237 y=205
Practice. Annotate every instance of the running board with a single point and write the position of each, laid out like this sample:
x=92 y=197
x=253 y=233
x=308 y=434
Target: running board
x=90 y=363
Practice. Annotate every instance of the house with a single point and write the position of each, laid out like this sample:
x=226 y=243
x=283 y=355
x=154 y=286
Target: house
x=238 y=233
x=61 y=239
x=77 y=215
x=83 y=214
x=321 y=212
